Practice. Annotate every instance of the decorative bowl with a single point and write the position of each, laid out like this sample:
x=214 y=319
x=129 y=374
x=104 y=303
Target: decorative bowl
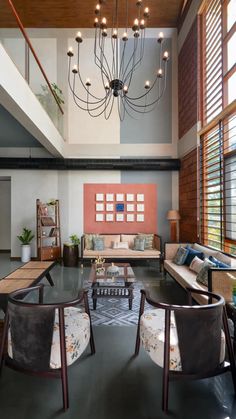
x=113 y=270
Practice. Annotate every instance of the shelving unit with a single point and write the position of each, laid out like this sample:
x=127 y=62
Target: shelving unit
x=48 y=231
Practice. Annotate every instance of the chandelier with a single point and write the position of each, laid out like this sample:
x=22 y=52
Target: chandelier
x=117 y=69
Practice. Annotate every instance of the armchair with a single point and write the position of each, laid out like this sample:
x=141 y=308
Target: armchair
x=44 y=339
x=186 y=341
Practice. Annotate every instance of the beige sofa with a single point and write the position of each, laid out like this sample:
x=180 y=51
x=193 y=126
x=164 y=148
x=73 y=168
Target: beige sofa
x=220 y=280
x=130 y=253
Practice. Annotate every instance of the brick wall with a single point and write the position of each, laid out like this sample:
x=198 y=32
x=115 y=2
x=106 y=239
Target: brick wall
x=188 y=197
x=187 y=81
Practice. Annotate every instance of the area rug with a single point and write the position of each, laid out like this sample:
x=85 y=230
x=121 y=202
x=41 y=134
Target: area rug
x=115 y=312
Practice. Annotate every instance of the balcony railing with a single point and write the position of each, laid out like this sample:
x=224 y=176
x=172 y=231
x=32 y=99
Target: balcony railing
x=19 y=47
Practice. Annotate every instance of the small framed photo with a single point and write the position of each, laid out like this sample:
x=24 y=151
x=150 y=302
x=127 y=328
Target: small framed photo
x=119 y=197
x=119 y=217
x=99 y=217
x=130 y=218
x=109 y=217
x=99 y=207
x=130 y=197
x=140 y=218
x=140 y=207
x=120 y=207
x=109 y=197
x=99 y=197
x=130 y=207
x=109 y=207
x=140 y=197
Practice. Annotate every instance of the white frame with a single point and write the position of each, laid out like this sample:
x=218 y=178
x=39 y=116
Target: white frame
x=130 y=207
x=119 y=217
x=130 y=197
x=100 y=207
x=140 y=197
x=109 y=217
x=140 y=207
x=99 y=197
x=130 y=218
x=109 y=197
x=99 y=217
x=109 y=207
x=119 y=197
x=140 y=218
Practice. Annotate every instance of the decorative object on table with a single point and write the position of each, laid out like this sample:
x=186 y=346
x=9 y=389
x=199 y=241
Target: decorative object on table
x=174 y=217
x=71 y=251
x=99 y=265
x=25 y=239
x=117 y=75
x=113 y=270
x=49 y=244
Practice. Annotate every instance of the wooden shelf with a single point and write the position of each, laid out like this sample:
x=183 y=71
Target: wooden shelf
x=48 y=252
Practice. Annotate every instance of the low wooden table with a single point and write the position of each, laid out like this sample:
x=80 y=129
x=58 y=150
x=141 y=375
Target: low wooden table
x=119 y=286
x=26 y=276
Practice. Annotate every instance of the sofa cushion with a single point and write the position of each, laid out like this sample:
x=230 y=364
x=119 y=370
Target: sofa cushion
x=122 y=254
x=202 y=276
x=191 y=254
x=224 y=258
x=139 y=243
x=181 y=256
x=196 y=264
x=208 y=252
x=98 y=243
x=148 y=240
x=110 y=238
x=120 y=245
x=128 y=238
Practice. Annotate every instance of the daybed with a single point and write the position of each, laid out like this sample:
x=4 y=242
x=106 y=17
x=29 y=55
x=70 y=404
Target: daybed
x=128 y=253
x=219 y=279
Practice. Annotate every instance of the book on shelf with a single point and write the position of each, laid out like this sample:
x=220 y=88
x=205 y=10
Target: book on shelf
x=53 y=232
x=47 y=221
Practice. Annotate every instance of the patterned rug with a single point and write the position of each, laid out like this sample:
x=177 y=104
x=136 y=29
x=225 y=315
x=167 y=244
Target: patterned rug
x=115 y=312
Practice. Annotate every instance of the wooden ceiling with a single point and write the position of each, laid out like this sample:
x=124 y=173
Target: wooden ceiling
x=79 y=13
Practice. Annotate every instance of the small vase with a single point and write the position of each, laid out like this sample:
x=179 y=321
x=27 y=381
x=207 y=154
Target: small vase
x=25 y=253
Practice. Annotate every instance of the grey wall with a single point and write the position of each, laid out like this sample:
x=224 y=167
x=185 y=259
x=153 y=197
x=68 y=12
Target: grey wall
x=163 y=180
x=156 y=126
x=5 y=214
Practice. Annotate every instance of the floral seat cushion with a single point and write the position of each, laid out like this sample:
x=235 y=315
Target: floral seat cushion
x=152 y=335
x=77 y=331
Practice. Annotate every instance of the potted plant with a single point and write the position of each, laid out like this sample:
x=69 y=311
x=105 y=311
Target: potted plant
x=25 y=239
x=71 y=251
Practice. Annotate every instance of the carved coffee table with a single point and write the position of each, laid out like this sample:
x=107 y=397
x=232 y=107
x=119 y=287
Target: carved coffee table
x=118 y=286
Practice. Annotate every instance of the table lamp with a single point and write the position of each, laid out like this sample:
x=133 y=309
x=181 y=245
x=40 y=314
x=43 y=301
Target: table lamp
x=173 y=216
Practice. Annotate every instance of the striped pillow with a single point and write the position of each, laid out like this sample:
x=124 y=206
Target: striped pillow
x=148 y=240
x=98 y=243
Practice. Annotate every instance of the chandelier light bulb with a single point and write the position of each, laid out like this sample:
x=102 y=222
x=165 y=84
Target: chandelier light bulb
x=136 y=34
x=104 y=32
x=97 y=9
x=147 y=84
x=166 y=56
x=79 y=37
x=70 y=52
x=146 y=12
x=107 y=86
x=75 y=69
x=96 y=22
x=135 y=25
x=125 y=36
x=88 y=82
x=160 y=37
x=114 y=34
x=142 y=24
x=160 y=73
x=125 y=89
x=139 y=2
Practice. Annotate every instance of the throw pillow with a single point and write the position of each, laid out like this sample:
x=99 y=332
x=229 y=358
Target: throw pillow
x=191 y=254
x=196 y=264
x=148 y=244
x=218 y=263
x=202 y=276
x=98 y=243
x=223 y=258
x=120 y=245
x=89 y=240
x=180 y=256
x=139 y=244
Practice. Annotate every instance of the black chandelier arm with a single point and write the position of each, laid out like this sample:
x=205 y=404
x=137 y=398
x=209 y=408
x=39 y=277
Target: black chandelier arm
x=127 y=110
x=119 y=102
x=129 y=100
x=130 y=59
x=103 y=55
x=79 y=98
x=112 y=103
x=146 y=93
x=145 y=107
x=102 y=73
x=137 y=64
x=100 y=113
x=97 y=60
x=122 y=60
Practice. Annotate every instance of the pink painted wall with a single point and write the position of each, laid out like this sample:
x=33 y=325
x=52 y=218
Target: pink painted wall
x=150 y=208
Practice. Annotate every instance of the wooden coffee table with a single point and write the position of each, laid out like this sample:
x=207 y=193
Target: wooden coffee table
x=119 y=286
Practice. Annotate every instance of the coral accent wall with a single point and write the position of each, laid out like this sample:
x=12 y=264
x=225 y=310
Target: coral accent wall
x=149 y=225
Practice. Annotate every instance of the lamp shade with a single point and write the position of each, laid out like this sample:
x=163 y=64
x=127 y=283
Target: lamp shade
x=173 y=215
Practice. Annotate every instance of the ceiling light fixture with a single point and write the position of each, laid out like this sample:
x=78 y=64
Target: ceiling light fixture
x=117 y=70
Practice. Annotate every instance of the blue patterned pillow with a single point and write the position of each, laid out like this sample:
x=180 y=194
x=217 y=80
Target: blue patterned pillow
x=139 y=244
x=218 y=263
x=191 y=255
x=98 y=243
x=180 y=256
x=202 y=276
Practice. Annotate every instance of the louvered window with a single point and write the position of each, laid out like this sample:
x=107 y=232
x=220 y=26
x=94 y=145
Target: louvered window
x=218 y=185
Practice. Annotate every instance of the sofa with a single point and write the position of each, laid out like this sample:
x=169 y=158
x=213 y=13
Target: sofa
x=121 y=253
x=220 y=280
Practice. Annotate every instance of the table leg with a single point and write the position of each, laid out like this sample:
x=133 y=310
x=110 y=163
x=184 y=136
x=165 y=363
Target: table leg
x=94 y=303
x=49 y=278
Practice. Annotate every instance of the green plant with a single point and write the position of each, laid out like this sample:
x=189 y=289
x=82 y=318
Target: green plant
x=75 y=239
x=26 y=236
x=46 y=95
x=52 y=202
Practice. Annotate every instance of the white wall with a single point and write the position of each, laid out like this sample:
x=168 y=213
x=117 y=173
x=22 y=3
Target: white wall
x=5 y=214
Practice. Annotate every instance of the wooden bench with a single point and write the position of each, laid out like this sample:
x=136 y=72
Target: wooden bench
x=24 y=277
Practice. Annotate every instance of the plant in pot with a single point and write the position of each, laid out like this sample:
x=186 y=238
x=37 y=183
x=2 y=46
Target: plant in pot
x=25 y=239
x=71 y=251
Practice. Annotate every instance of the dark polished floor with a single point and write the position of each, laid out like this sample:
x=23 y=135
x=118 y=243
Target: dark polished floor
x=112 y=384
